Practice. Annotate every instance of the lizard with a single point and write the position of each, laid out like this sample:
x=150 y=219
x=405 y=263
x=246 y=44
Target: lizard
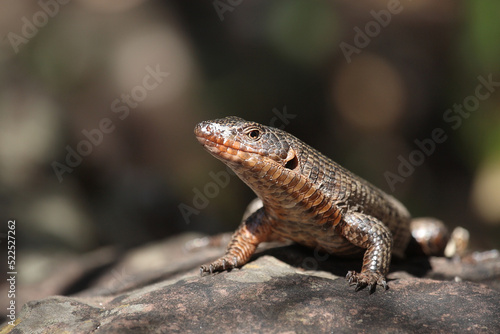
x=307 y=198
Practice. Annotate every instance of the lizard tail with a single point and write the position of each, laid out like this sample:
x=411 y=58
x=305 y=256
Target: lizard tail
x=430 y=237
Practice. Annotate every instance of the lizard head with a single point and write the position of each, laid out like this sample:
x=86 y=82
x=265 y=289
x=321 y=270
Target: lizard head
x=236 y=141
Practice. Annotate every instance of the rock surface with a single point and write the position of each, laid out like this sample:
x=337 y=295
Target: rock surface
x=157 y=289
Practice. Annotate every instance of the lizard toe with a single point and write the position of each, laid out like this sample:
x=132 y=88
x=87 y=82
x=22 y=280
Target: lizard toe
x=366 y=279
x=223 y=264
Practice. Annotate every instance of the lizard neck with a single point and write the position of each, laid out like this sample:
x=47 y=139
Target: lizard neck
x=288 y=194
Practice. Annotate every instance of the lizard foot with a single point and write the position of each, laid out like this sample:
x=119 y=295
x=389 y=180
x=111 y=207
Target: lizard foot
x=224 y=263
x=366 y=278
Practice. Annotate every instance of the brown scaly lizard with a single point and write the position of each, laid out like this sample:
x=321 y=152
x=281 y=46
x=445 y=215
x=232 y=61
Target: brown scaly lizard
x=306 y=198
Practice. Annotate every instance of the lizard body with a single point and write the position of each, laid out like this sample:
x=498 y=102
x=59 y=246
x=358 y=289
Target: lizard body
x=307 y=198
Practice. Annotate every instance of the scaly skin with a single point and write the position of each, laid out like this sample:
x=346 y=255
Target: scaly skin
x=306 y=198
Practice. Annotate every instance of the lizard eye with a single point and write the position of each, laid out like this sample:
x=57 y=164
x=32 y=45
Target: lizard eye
x=253 y=134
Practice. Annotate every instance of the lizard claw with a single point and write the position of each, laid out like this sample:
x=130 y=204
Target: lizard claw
x=366 y=279
x=350 y=277
x=222 y=264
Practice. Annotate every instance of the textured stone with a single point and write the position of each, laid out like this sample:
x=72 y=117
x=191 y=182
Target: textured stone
x=271 y=294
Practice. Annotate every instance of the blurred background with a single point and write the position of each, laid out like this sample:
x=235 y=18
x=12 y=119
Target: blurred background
x=99 y=99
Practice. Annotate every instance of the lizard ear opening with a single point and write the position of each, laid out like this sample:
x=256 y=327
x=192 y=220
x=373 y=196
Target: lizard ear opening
x=293 y=163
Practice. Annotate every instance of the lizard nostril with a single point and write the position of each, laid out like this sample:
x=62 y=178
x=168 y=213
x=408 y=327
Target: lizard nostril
x=202 y=129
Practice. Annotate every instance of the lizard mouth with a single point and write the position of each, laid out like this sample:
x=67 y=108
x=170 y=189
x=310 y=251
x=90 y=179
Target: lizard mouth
x=222 y=148
x=218 y=145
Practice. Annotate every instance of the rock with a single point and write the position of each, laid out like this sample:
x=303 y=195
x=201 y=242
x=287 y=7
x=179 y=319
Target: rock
x=283 y=289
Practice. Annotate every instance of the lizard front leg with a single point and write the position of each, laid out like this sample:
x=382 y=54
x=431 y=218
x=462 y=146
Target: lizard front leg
x=252 y=231
x=370 y=233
